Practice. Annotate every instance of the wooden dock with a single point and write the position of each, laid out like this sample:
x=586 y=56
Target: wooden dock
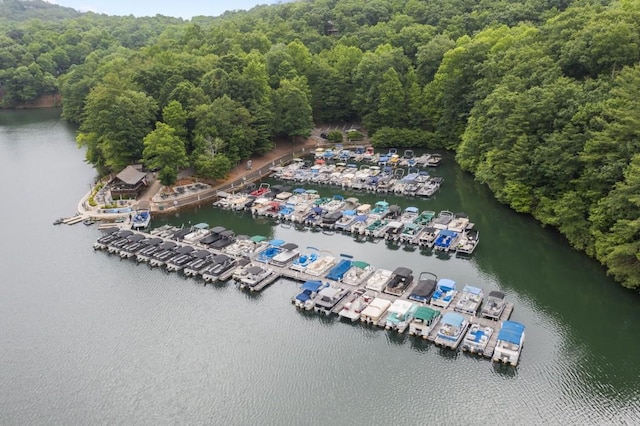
x=278 y=272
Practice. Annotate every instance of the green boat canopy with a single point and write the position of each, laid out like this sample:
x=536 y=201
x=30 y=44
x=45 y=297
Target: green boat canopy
x=258 y=238
x=360 y=264
x=426 y=314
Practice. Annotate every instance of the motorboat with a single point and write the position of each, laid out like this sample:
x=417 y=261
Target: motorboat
x=274 y=248
x=442 y=220
x=141 y=219
x=328 y=298
x=391 y=231
x=470 y=300
x=182 y=257
x=510 y=342
x=200 y=260
x=213 y=236
x=198 y=232
x=477 y=339
x=429 y=188
x=145 y=255
x=309 y=290
x=425 y=217
x=494 y=306
x=446 y=240
x=359 y=300
x=345 y=221
x=452 y=329
x=254 y=276
x=427 y=237
x=459 y=223
x=379 y=280
x=305 y=259
x=321 y=265
x=434 y=160
x=409 y=215
x=424 y=288
x=358 y=273
x=374 y=311
x=399 y=315
x=337 y=272
x=400 y=280
x=288 y=253
x=409 y=232
x=424 y=319
x=133 y=244
x=220 y=264
x=468 y=242
x=135 y=248
x=444 y=293
x=227 y=238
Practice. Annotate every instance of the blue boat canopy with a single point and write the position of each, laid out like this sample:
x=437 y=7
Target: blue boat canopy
x=299 y=191
x=412 y=210
x=338 y=271
x=304 y=296
x=276 y=243
x=511 y=332
x=201 y=225
x=448 y=233
x=471 y=289
x=361 y=218
x=317 y=210
x=453 y=318
x=312 y=285
x=445 y=284
x=348 y=212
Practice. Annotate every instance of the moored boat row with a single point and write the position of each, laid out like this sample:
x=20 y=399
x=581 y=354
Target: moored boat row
x=447 y=232
x=427 y=307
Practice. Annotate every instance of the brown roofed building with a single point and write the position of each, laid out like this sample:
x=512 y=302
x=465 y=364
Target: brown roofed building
x=128 y=183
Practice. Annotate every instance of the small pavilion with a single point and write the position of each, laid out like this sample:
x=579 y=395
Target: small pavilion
x=128 y=183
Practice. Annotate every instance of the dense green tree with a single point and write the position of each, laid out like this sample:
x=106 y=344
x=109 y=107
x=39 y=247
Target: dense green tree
x=164 y=149
x=293 y=115
x=115 y=123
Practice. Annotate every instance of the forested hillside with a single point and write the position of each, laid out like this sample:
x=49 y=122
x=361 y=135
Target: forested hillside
x=540 y=99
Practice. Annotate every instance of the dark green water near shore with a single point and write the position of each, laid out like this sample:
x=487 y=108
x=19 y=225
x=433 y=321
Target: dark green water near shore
x=88 y=338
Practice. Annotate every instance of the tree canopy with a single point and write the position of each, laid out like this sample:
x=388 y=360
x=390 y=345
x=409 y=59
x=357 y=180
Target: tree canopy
x=538 y=99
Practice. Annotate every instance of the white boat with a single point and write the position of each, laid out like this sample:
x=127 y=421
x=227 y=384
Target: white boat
x=424 y=319
x=400 y=313
x=477 y=338
x=328 y=298
x=358 y=272
x=379 y=280
x=309 y=290
x=375 y=310
x=470 y=300
x=510 y=342
x=494 y=307
x=199 y=231
x=360 y=299
x=320 y=265
x=444 y=294
x=254 y=276
x=141 y=219
x=453 y=327
x=459 y=223
x=289 y=252
x=468 y=242
x=443 y=220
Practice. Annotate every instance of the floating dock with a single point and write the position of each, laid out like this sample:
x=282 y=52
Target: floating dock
x=115 y=240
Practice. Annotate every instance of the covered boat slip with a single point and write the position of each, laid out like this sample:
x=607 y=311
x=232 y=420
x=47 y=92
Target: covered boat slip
x=255 y=276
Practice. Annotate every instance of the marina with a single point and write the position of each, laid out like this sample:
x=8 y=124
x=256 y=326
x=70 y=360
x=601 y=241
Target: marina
x=428 y=307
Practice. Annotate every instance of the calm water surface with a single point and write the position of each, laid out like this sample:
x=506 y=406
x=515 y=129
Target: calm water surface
x=87 y=338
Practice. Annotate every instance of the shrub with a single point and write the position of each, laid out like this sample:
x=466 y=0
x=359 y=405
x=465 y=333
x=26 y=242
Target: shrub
x=335 y=136
x=355 y=135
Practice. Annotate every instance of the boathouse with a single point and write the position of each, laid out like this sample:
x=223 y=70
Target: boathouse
x=129 y=182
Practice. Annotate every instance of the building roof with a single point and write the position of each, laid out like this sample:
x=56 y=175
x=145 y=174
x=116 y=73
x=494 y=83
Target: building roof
x=130 y=175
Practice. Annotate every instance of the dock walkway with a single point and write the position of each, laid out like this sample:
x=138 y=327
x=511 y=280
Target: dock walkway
x=279 y=272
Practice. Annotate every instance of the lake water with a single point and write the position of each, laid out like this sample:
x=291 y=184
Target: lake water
x=87 y=338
